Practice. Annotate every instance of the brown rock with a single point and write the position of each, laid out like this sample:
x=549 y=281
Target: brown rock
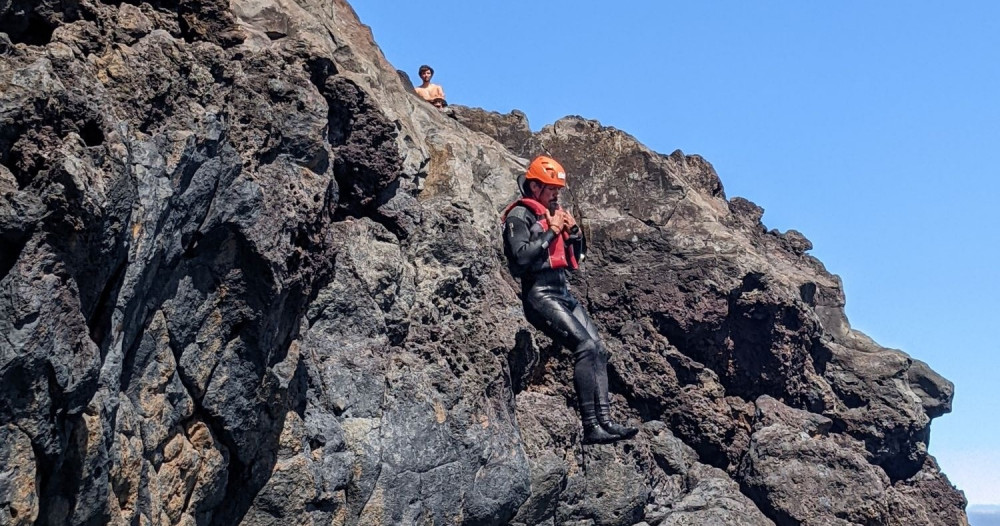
x=799 y=475
x=18 y=478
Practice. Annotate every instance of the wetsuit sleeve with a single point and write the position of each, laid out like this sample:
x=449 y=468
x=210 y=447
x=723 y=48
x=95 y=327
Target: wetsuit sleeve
x=576 y=240
x=523 y=249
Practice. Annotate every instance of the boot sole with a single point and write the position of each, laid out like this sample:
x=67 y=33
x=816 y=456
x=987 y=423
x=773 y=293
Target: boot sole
x=610 y=440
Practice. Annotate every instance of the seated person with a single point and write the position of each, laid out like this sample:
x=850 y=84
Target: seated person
x=432 y=93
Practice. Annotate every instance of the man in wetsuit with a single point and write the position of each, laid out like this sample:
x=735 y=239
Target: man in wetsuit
x=542 y=242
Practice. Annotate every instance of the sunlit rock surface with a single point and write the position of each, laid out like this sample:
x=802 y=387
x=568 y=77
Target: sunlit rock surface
x=246 y=277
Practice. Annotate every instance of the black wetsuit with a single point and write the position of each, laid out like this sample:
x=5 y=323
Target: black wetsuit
x=549 y=306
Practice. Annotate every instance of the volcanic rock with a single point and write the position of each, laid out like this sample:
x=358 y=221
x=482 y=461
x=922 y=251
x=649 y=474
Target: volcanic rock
x=248 y=277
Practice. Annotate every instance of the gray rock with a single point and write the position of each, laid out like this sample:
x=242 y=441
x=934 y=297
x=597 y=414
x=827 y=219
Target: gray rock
x=511 y=130
x=711 y=497
x=246 y=276
x=18 y=478
x=799 y=474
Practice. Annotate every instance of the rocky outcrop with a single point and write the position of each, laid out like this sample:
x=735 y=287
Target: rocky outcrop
x=246 y=277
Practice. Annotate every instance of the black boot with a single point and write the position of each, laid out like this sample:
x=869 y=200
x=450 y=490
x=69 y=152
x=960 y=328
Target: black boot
x=593 y=432
x=604 y=419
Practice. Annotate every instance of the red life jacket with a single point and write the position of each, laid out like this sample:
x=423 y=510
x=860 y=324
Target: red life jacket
x=560 y=252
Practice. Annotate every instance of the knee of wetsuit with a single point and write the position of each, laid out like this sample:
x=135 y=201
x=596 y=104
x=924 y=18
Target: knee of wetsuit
x=587 y=350
x=603 y=351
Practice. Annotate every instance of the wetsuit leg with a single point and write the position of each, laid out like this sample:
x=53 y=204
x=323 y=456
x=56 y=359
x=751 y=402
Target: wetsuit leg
x=601 y=361
x=551 y=310
x=602 y=401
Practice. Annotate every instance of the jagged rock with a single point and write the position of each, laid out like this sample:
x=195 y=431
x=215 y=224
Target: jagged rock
x=926 y=498
x=748 y=212
x=801 y=475
x=796 y=242
x=405 y=79
x=246 y=276
x=18 y=478
x=511 y=129
x=691 y=492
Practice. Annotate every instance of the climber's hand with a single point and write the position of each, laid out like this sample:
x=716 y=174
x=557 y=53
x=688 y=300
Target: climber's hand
x=556 y=221
x=567 y=219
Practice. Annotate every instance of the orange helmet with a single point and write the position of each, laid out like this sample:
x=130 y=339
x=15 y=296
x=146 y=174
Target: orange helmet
x=546 y=171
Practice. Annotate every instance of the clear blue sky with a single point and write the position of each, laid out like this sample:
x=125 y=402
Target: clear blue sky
x=871 y=127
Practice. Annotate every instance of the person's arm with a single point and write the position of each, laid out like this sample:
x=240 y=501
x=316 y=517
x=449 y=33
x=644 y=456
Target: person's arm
x=525 y=248
x=575 y=239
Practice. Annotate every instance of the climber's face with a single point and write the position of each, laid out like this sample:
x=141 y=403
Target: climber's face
x=546 y=193
x=426 y=75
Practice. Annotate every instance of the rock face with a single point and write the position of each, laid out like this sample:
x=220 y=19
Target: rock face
x=247 y=278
